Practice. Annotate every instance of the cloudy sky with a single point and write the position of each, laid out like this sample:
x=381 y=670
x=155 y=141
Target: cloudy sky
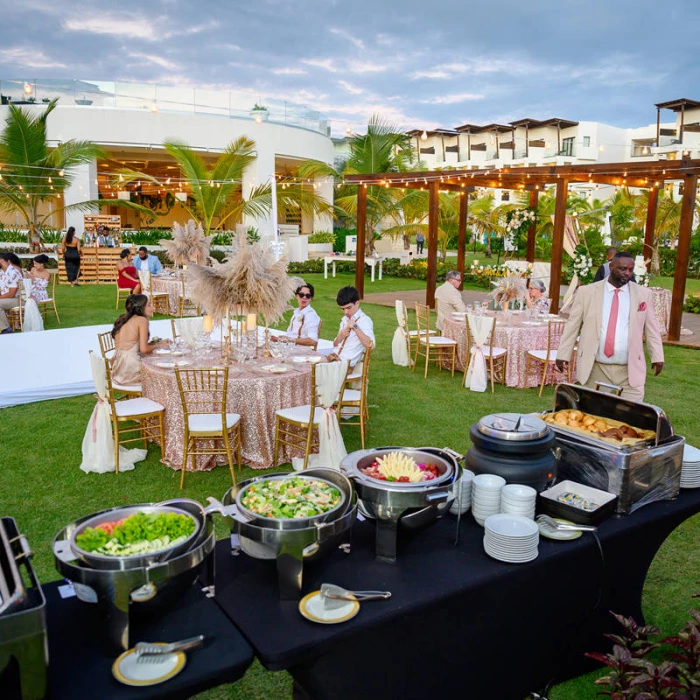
x=417 y=64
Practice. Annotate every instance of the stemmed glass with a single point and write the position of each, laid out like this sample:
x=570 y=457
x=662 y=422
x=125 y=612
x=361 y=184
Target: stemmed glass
x=283 y=341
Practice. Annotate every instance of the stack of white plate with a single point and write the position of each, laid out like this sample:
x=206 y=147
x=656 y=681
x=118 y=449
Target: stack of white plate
x=518 y=499
x=486 y=496
x=690 y=471
x=463 y=501
x=511 y=538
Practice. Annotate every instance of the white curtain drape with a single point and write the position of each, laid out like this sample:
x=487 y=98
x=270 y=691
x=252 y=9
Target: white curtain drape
x=189 y=328
x=399 y=349
x=476 y=376
x=330 y=377
x=145 y=279
x=32 y=320
x=98 y=443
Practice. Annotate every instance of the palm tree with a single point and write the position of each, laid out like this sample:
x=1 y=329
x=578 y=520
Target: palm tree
x=484 y=219
x=34 y=175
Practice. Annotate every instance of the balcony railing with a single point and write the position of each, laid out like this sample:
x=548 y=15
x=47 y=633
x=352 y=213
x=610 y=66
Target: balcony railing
x=148 y=96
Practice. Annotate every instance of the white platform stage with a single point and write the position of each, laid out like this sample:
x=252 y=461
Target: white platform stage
x=54 y=364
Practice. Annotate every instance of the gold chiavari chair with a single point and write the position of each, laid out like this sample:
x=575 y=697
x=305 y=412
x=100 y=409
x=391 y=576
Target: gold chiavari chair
x=546 y=358
x=495 y=357
x=353 y=402
x=45 y=305
x=107 y=349
x=435 y=347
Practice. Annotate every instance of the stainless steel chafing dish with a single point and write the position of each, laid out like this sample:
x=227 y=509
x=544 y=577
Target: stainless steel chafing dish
x=638 y=474
x=24 y=653
x=137 y=584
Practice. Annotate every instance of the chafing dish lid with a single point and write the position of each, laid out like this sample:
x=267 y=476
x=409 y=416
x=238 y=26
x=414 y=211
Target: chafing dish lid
x=515 y=427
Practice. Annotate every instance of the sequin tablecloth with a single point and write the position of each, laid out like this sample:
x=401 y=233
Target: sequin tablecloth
x=517 y=335
x=255 y=394
x=662 y=307
x=172 y=286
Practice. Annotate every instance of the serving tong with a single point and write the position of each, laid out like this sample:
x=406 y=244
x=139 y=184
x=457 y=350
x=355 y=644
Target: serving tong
x=331 y=593
x=153 y=653
x=550 y=523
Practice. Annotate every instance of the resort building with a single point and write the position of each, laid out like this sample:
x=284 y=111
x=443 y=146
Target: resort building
x=131 y=121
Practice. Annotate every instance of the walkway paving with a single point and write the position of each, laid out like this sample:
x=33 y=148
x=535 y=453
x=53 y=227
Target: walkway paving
x=690 y=322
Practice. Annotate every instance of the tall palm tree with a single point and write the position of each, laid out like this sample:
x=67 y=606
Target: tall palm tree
x=35 y=175
x=484 y=219
x=216 y=188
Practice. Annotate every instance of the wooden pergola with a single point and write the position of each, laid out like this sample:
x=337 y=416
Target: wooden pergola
x=650 y=175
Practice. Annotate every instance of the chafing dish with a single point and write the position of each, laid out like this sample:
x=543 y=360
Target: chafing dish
x=638 y=474
x=410 y=505
x=24 y=653
x=291 y=542
x=138 y=586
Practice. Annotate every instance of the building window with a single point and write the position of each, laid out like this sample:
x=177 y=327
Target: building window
x=430 y=150
x=567 y=147
x=586 y=141
x=505 y=196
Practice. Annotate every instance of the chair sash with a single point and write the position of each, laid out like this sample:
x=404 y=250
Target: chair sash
x=330 y=377
x=190 y=328
x=98 y=442
x=399 y=350
x=476 y=376
x=145 y=279
x=32 y=320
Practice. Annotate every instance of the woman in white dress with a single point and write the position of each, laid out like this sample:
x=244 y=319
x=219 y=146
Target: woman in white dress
x=40 y=276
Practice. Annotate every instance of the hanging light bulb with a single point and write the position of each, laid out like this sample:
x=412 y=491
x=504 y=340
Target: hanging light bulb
x=153 y=107
x=601 y=148
x=28 y=90
x=424 y=136
x=258 y=119
x=348 y=130
x=645 y=150
x=61 y=173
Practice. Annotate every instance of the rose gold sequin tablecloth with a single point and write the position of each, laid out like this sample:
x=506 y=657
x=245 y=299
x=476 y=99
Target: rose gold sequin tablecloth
x=172 y=286
x=662 y=307
x=255 y=394
x=517 y=335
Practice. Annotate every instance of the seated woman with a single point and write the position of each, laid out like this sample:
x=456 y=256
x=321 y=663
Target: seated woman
x=536 y=300
x=40 y=276
x=127 y=277
x=130 y=335
x=305 y=323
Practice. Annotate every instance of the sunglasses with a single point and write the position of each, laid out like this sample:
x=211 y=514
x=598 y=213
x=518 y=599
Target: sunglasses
x=303 y=295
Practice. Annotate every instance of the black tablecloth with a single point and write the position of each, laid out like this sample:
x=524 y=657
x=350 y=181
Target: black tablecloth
x=81 y=667
x=458 y=621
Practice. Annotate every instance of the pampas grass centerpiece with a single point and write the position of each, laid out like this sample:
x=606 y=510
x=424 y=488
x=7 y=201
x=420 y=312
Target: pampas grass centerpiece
x=188 y=245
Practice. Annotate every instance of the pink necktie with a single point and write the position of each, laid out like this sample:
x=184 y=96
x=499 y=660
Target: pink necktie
x=609 y=348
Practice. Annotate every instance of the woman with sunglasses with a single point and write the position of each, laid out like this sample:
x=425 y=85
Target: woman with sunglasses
x=304 y=326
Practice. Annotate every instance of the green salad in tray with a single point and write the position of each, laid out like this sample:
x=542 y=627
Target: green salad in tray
x=291 y=498
x=140 y=533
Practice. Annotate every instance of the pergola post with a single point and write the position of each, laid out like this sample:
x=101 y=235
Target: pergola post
x=462 y=234
x=650 y=224
x=361 y=231
x=532 y=231
x=690 y=184
x=433 y=210
x=558 y=243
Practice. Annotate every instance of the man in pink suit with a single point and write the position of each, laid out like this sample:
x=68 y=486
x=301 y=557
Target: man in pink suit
x=612 y=317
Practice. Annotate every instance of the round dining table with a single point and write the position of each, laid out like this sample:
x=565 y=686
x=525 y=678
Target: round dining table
x=171 y=284
x=515 y=332
x=256 y=390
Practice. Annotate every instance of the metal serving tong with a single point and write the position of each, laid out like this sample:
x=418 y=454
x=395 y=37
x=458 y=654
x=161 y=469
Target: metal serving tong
x=552 y=524
x=153 y=653
x=330 y=592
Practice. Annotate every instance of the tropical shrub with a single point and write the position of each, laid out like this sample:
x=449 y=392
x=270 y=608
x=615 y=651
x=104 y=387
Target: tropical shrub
x=322 y=237
x=340 y=235
x=692 y=305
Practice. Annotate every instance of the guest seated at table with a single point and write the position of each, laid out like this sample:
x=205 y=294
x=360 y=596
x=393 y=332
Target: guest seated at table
x=447 y=297
x=147 y=262
x=130 y=335
x=127 y=277
x=303 y=328
x=536 y=299
x=10 y=280
x=40 y=276
x=356 y=328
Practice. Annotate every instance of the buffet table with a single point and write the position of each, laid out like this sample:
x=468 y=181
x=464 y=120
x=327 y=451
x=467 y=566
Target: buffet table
x=254 y=393
x=371 y=261
x=517 y=335
x=79 y=667
x=458 y=621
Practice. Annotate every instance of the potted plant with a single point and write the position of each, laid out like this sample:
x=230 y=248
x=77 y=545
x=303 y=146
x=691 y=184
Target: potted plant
x=321 y=244
x=259 y=112
x=46 y=100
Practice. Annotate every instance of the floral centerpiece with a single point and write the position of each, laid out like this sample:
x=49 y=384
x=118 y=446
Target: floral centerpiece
x=512 y=287
x=518 y=223
x=582 y=265
x=641 y=274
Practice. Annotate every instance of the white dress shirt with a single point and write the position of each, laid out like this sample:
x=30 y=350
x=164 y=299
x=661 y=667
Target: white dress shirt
x=352 y=349
x=304 y=324
x=622 y=329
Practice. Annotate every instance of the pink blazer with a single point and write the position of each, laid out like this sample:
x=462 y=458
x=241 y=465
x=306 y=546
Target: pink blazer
x=586 y=319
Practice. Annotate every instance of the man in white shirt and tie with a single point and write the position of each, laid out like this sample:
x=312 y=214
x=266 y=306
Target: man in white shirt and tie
x=613 y=316
x=356 y=328
x=304 y=326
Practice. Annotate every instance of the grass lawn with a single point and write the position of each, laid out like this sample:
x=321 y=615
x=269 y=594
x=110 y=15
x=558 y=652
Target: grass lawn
x=43 y=488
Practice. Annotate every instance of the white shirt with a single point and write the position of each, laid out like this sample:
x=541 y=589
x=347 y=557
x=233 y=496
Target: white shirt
x=622 y=328
x=304 y=324
x=10 y=279
x=352 y=349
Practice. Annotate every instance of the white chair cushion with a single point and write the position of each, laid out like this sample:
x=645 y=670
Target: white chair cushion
x=413 y=334
x=541 y=355
x=494 y=352
x=354 y=377
x=352 y=395
x=210 y=422
x=133 y=388
x=300 y=414
x=45 y=301
x=135 y=407
x=438 y=340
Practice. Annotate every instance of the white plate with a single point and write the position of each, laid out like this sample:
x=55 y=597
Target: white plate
x=561 y=535
x=183 y=363
x=177 y=353
x=312 y=608
x=275 y=369
x=165 y=365
x=127 y=670
x=299 y=359
x=513 y=526
x=161 y=351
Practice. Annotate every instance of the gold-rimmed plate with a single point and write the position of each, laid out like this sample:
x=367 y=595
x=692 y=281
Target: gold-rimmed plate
x=561 y=535
x=128 y=670
x=312 y=608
